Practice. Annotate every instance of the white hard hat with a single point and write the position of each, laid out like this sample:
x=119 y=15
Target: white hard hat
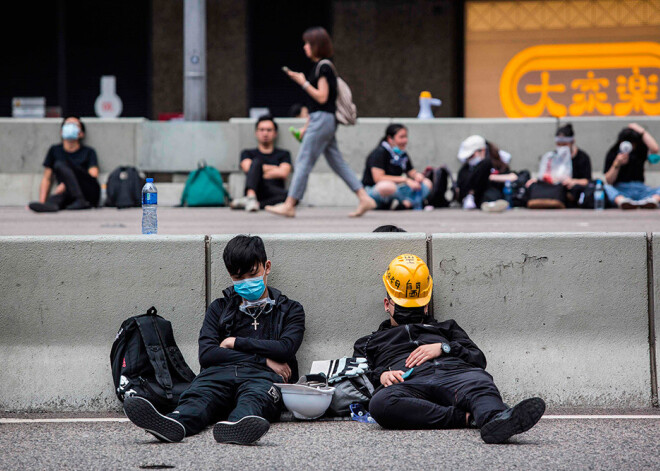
x=306 y=402
x=469 y=146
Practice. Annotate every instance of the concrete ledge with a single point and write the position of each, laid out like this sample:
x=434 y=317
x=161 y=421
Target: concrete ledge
x=563 y=316
x=337 y=279
x=63 y=300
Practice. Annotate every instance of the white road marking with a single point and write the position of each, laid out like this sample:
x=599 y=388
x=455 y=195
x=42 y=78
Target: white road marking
x=124 y=419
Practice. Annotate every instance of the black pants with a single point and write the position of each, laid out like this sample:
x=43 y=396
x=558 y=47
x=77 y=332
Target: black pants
x=478 y=182
x=438 y=399
x=228 y=393
x=80 y=185
x=269 y=191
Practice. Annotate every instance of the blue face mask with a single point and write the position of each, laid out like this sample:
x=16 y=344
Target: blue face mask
x=397 y=151
x=70 y=131
x=250 y=289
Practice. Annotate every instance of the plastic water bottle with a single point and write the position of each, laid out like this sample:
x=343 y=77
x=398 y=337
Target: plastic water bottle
x=417 y=202
x=149 y=205
x=508 y=193
x=599 y=196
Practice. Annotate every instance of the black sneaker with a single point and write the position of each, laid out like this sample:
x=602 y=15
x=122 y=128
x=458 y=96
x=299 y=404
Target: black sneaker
x=143 y=414
x=38 y=207
x=79 y=204
x=243 y=432
x=517 y=419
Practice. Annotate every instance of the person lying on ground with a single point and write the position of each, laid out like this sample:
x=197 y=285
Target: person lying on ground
x=266 y=167
x=624 y=169
x=247 y=343
x=482 y=177
x=389 y=175
x=430 y=374
x=76 y=168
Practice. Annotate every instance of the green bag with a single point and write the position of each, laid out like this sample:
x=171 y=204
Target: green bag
x=204 y=188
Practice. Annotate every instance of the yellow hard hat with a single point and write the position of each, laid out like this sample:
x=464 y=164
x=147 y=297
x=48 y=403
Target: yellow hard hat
x=408 y=282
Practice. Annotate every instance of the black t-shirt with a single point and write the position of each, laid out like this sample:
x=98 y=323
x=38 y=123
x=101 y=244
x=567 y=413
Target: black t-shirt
x=277 y=157
x=324 y=71
x=85 y=157
x=581 y=165
x=633 y=171
x=381 y=158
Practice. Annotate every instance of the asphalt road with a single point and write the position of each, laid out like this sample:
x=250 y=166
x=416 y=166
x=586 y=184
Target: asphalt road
x=554 y=444
x=20 y=221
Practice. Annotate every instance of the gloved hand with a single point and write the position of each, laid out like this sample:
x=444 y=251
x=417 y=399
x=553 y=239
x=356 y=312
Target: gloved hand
x=346 y=367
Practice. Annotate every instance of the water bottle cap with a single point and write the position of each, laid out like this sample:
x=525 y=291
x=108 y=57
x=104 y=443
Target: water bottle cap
x=150 y=180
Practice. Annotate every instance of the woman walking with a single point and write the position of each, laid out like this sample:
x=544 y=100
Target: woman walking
x=319 y=131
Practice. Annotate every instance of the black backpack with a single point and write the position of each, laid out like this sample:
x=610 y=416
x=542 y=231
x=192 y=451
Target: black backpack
x=146 y=362
x=124 y=188
x=440 y=177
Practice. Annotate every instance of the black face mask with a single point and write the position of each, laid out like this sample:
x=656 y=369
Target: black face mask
x=409 y=315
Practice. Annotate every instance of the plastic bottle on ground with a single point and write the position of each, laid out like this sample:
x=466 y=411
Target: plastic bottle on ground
x=599 y=196
x=149 y=206
x=508 y=193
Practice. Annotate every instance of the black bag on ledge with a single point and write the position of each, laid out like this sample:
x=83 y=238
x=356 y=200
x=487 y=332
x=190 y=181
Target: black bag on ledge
x=146 y=362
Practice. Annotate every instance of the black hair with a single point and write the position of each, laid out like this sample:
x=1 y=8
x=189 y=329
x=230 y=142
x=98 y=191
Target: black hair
x=82 y=125
x=566 y=130
x=629 y=135
x=295 y=110
x=389 y=228
x=243 y=253
x=266 y=117
x=391 y=131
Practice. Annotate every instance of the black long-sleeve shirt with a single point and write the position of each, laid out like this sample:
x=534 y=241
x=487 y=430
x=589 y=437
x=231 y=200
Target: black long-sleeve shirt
x=278 y=335
x=389 y=347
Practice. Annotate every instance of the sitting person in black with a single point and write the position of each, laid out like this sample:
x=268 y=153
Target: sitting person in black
x=76 y=168
x=482 y=176
x=580 y=164
x=248 y=341
x=430 y=374
x=266 y=167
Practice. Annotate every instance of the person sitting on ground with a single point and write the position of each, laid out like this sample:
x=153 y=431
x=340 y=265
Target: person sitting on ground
x=76 y=168
x=248 y=341
x=580 y=165
x=266 y=167
x=624 y=171
x=483 y=174
x=389 y=176
x=429 y=374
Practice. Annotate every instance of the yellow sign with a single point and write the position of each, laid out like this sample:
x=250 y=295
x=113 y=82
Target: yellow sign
x=606 y=79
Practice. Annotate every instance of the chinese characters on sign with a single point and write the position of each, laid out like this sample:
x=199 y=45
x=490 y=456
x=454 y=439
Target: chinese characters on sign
x=613 y=79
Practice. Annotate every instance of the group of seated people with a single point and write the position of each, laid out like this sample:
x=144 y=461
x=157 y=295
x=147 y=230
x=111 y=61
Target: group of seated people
x=427 y=374
x=390 y=178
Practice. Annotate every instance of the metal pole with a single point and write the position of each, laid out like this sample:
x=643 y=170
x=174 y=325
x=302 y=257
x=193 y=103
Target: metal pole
x=194 y=60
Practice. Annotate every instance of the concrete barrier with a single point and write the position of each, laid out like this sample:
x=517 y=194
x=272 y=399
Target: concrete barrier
x=654 y=318
x=63 y=300
x=337 y=279
x=563 y=316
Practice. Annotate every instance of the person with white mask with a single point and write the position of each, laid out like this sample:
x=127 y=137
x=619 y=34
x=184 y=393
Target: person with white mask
x=482 y=177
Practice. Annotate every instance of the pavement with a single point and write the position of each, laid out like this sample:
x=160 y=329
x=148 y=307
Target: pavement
x=594 y=443
x=172 y=220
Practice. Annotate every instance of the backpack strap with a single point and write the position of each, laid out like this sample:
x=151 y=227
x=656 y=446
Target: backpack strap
x=171 y=350
x=155 y=349
x=325 y=61
x=360 y=387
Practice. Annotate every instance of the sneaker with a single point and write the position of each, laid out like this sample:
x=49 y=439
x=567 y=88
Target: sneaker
x=497 y=206
x=143 y=414
x=238 y=203
x=79 y=204
x=468 y=202
x=648 y=203
x=38 y=207
x=627 y=203
x=396 y=205
x=252 y=205
x=517 y=419
x=243 y=432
